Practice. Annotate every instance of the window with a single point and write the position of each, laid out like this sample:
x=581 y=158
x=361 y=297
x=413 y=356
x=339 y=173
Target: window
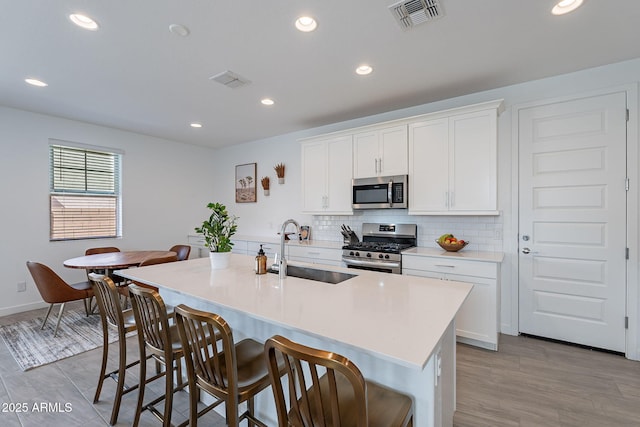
x=84 y=191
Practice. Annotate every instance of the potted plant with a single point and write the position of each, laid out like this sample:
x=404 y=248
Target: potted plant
x=217 y=231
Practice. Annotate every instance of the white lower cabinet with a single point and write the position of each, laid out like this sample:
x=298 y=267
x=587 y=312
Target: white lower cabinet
x=477 y=322
x=315 y=255
x=239 y=247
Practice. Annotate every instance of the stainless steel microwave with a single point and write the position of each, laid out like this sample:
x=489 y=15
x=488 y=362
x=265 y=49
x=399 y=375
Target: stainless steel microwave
x=384 y=192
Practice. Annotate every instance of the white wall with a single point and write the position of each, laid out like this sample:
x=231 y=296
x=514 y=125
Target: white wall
x=166 y=186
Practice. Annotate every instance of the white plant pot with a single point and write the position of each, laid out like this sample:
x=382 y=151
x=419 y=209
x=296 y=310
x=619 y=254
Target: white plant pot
x=266 y=192
x=281 y=180
x=219 y=260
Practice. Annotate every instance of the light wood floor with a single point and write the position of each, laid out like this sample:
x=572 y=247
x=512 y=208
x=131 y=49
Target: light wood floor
x=531 y=382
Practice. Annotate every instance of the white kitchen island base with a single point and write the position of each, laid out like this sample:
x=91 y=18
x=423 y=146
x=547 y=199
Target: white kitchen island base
x=398 y=330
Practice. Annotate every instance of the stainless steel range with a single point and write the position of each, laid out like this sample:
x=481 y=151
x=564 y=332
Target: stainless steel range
x=381 y=247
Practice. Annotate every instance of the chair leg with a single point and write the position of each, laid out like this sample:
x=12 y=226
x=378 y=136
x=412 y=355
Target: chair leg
x=141 y=386
x=168 y=397
x=105 y=354
x=55 y=332
x=44 y=322
x=122 y=372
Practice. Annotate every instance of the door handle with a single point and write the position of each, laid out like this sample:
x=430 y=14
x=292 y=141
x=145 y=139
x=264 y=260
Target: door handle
x=528 y=251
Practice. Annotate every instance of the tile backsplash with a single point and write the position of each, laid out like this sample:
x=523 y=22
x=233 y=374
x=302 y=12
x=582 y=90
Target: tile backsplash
x=483 y=232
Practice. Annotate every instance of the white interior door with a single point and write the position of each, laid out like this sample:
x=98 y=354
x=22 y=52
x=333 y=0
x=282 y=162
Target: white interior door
x=572 y=239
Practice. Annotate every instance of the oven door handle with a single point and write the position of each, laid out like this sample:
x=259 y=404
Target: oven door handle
x=391 y=264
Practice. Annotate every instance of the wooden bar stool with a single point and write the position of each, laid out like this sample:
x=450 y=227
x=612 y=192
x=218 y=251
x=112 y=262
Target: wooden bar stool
x=160 y=341
x=327 y=389
x=230 y=372
x=113 y=316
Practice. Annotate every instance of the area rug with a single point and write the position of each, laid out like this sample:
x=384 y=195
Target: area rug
x=32 y=347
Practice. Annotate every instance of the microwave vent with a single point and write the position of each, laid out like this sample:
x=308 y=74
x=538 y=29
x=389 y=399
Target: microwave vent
x=409 y=13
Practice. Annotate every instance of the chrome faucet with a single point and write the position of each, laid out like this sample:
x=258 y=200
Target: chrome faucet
x=281 y=264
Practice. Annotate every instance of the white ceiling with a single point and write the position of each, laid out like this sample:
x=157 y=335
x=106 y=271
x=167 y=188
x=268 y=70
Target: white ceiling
x=134 y=74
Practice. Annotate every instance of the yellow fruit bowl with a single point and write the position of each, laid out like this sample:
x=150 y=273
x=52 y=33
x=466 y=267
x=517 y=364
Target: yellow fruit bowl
x=452 y=247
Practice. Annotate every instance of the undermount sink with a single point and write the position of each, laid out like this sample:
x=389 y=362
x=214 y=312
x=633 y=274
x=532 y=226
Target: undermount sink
x=325 y=276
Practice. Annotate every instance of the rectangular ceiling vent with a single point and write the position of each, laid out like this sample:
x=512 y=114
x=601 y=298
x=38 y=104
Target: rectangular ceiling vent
x=410 y=13
x=230 y=79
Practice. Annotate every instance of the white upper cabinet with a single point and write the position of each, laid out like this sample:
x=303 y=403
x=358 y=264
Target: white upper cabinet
x=326 y=175
x=453 y=162
x=380 y=152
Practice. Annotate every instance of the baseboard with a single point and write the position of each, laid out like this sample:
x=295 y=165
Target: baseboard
x=22 y=308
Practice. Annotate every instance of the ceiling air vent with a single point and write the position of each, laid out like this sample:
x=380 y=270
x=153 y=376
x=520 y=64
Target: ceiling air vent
x=230 y=79
x=413 y=12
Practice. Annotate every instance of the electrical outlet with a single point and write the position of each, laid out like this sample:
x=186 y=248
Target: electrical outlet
x=22 y=286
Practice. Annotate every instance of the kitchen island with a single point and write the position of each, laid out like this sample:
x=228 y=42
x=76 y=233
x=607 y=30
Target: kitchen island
x=398 y=330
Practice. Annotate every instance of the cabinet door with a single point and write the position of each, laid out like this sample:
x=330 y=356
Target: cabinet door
x=339 y=175
x=314 y=176
x=393 y=146
x=381 y=152
x=365 y=154
x=429 y=166
x=473 y=161
x=478 y=316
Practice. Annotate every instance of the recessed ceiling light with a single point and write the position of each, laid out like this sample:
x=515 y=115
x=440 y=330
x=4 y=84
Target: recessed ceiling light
x=83 y=21
x=306 y=24
x=566 y=6
x=179 y=30
x=267 y=101
x=196 y=125
x=364 y=69
x=36 y=82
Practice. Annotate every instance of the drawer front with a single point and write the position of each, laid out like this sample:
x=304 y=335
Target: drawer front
x=451 y=266
x=315 y=253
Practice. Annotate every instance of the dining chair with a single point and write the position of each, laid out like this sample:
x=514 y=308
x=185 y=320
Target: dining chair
x=103 y=250
x=183 y=251
x=115 y=317
x=160 y=341
x=327 y=389
x=124 y=290
x=54 y=290
x=230 y=372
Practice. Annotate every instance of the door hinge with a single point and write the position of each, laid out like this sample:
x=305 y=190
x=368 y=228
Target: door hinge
x=626 y=253
x=626 y=184
x=626 y=322
x=627 y=114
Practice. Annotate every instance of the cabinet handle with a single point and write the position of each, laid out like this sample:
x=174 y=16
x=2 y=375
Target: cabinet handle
x=444 y=265
x=446 y=199
x=313 y=253
x=453 y=199
x=380 y=164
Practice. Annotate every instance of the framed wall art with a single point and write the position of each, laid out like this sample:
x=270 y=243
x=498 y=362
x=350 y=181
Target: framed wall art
x=246 y=183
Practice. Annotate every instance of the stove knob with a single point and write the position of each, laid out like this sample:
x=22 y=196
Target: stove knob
x=382 y=256
x=386 y=256
x=351 y=253
x=368 y=255
x=357 y=253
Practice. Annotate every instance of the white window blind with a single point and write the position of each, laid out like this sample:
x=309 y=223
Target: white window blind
x=84 y=193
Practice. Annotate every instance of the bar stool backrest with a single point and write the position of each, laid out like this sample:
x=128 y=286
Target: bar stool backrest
x=313 y=381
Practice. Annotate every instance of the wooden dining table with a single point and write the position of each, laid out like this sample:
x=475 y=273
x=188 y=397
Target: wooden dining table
x=114 y=260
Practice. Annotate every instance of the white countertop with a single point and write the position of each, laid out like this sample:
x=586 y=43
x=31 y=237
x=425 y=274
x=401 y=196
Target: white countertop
x=462 y=254
x=394 y=317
